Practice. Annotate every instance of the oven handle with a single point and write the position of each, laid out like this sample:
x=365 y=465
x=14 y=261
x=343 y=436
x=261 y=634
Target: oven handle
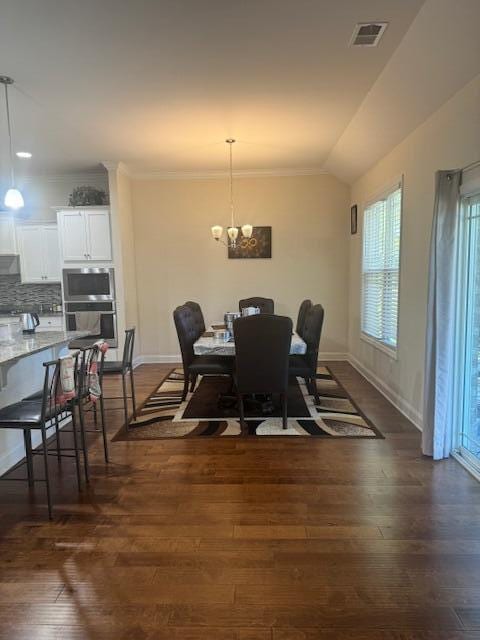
x=102 y=313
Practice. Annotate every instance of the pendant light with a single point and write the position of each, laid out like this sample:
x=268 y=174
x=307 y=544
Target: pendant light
x=232 y=230
x=13 y=197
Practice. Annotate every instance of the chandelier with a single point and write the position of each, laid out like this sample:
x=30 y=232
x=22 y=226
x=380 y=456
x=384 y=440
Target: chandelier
x=232 y=230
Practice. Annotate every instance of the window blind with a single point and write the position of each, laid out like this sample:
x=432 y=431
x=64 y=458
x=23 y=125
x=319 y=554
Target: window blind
x=380 y=268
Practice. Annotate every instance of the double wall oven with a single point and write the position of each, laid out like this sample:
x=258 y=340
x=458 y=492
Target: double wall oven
x=88 y=293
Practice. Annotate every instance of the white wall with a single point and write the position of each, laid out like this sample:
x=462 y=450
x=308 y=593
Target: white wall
x=450 y=138
x=177 y=260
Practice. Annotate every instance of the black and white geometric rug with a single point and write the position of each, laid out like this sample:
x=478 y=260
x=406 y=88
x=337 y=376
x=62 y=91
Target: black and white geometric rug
x=163 y=415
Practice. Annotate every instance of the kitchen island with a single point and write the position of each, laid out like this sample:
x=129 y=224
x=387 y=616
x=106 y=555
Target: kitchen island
x=21 y=374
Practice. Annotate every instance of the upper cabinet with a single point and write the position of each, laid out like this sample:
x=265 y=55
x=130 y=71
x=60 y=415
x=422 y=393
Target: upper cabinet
x=39 y=253
x=85 y=235
x=8 y=243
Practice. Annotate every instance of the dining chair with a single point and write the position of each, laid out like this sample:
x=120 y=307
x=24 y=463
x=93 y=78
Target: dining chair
x=123 y=367
x=302 y=314
x=266 y=305
x=305 y=366
x=198 y=314
x=39 y=414
x=188 y=333
x=262 y=345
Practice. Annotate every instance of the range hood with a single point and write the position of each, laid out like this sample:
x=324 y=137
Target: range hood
x=9 y=265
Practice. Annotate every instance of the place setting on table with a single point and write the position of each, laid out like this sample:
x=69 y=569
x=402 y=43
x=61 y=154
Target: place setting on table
x=252 y=375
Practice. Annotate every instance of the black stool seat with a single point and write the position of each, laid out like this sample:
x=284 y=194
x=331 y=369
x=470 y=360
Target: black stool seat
x=113 y=366
x=21 y=413
x=26 y=412
x=206 y=365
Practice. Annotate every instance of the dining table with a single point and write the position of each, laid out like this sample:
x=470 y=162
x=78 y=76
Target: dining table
x=209 y=345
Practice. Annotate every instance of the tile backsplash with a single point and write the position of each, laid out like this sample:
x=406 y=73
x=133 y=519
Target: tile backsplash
x=15 y=295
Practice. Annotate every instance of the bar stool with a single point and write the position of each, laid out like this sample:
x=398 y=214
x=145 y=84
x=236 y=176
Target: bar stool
x=122 y=367
x=92 y=361
x=38 y=414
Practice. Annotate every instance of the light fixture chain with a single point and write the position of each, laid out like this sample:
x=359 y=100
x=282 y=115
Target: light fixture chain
x=231 y=184
x=9 y=128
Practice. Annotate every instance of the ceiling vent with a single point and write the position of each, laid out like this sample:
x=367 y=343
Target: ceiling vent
x=367 y=34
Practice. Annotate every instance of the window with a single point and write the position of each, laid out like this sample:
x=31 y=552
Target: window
x=380 y=269
x=469 y=334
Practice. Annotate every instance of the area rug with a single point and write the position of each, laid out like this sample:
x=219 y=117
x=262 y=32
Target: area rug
x=164 y=415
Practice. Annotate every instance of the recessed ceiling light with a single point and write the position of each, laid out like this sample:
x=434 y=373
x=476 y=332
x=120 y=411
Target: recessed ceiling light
x=24 y=154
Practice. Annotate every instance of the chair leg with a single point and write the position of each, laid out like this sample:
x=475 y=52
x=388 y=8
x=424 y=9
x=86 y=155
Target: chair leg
x=134 y=403
x=186 y=377
x=284 y=411
x=125 y=400
x=194 y=382
x=57 y=437
x=47 y=476
x=75 y=446
x=313 y=382
x=241 y=409
x=104 y=430
x=27 y=437
x=84 y=439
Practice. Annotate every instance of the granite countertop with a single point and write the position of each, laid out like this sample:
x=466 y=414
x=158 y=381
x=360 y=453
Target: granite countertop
x=24 y=345
x=15 y=314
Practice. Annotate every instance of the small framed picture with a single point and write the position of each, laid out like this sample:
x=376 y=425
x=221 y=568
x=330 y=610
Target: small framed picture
x=353 y=219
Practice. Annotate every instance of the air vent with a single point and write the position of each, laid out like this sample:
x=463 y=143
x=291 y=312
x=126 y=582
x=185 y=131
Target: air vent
x=367 y=34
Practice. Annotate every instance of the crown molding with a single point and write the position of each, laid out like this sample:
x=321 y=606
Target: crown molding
x=215 y=175
x=66 y=177
x=111 y=165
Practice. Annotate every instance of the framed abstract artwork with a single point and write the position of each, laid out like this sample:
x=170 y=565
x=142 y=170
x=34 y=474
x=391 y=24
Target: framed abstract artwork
x=353 y=219
x=258 y=246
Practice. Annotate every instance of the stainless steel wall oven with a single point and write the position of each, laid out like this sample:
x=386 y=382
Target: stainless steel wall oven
x=89 y=284
x=89 y=293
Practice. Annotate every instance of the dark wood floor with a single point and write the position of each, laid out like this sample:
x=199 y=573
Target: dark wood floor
x=248 y=540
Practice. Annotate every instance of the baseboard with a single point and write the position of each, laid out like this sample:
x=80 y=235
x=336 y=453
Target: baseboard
x=392 y=396
x=327 y=356
x=156 y=359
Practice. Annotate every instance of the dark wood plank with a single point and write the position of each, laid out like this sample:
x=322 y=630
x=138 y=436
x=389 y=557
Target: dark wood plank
x=247 y=539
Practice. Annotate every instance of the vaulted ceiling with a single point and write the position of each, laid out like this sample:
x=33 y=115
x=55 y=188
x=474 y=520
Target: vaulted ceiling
x=159 y=84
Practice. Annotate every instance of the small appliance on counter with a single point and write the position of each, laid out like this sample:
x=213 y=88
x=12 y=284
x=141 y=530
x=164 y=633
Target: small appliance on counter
x=29 y=322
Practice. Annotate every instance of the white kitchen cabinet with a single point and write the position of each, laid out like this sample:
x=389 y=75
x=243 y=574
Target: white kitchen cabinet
x=52 y=266
x=85 y=235
x=39 y=253
x=73 y=235
x=8 y=243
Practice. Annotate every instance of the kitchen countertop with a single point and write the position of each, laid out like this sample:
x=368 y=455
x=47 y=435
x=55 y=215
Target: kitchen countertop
x=25 y=345
x=14 y=315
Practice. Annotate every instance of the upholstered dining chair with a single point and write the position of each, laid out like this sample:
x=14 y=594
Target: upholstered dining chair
x=188 y=332
x=198 y=315
x=305 y=366
x=266 y=305
x=262 y=345
x=302 y=314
